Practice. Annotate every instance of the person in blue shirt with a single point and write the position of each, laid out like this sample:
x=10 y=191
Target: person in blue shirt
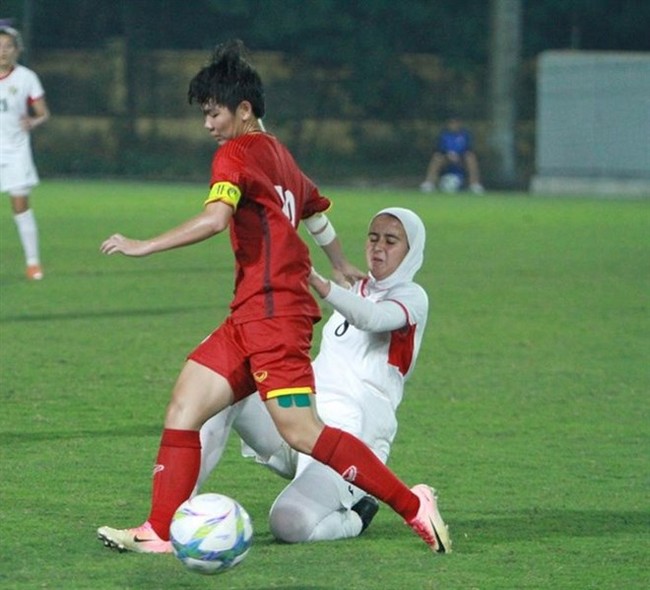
x=453 y=164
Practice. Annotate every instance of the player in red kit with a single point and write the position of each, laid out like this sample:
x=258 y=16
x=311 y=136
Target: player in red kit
x=260 y=195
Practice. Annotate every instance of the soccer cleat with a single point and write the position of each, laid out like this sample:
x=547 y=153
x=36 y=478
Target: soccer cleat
x=428 y=523
x=477 y=188
x=427 y=186
x=142 y=539
x=34 y=272
x=366 y=508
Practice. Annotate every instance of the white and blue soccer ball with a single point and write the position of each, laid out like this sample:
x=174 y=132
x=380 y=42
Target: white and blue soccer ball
x=211 y=533
x=450 y=182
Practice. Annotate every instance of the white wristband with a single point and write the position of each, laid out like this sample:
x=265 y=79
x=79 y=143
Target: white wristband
x=320 y=229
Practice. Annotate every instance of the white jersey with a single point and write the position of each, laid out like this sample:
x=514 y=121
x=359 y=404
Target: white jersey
x=360 y=374
x=352 y=359
x=18 y=90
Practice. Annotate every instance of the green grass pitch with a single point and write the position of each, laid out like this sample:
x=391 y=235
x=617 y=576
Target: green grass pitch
x=529 y=409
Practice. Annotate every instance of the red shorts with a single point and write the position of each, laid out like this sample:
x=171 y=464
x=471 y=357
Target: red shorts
x=270 y=356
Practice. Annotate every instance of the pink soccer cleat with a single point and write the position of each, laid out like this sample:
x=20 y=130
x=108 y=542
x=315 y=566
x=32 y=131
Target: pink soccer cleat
x=142 y=539
x=428 y=523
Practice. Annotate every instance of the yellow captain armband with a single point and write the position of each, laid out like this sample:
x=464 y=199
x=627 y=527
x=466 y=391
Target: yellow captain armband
x=226 y=192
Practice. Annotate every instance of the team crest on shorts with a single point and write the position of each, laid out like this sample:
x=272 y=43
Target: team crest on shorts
x=260 y=376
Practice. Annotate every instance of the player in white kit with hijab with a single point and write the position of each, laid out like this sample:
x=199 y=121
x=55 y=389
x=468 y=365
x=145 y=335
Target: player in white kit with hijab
x=368 y=350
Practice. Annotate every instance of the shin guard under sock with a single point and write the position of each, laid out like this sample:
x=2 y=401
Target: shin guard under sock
x=174 y=476
x=356 y=463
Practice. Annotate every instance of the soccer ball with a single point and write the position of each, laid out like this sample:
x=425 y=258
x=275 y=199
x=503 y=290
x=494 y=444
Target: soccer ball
x=211 y=533
x=450 y=183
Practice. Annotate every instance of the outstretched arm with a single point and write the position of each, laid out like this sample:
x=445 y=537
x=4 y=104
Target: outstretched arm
x=371 y=316
x=212 y=220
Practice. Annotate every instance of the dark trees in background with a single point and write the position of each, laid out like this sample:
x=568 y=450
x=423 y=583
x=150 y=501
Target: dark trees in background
x=358 y=44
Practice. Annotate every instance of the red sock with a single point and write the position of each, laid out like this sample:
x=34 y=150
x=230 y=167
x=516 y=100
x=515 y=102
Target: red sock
x=356 y=463
x=174 y=476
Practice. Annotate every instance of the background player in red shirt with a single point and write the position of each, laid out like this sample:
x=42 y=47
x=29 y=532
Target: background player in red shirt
x=260 y=194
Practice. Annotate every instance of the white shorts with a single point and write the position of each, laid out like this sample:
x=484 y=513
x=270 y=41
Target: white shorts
x=18 y=173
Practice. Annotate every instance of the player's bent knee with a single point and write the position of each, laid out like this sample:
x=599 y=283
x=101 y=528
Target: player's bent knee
x=297 y=440
x=289 y=523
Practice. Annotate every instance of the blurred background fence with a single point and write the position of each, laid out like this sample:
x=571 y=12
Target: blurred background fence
x=357 y=90
x=101 y=125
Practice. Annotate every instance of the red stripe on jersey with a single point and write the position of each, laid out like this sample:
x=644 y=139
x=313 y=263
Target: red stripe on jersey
x=401 y=347
x=402 y=344
x=267 y=287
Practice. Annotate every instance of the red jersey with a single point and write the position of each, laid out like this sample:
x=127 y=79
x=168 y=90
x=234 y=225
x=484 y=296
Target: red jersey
x=258 y=176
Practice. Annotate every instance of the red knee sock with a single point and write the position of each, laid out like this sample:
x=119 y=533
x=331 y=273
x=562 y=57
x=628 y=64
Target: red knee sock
x=356 y=463
x=174 y=476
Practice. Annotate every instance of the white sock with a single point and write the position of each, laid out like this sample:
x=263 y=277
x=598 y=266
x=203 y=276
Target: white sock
x=28 y=233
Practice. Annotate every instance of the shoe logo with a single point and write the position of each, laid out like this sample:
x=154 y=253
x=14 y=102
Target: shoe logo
x=137 y=539
x=158 y=468
x=440 y=548
x=260 y=376
x=350 y=474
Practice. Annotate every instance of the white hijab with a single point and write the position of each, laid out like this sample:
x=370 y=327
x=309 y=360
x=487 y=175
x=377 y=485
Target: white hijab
x=416 y=235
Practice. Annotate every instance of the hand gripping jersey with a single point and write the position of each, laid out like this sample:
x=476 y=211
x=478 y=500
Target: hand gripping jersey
x=259 y=178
